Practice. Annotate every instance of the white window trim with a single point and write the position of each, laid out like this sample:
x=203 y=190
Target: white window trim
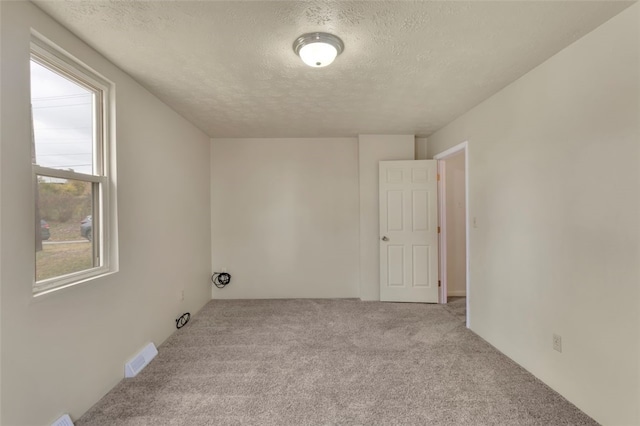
x=45 y=51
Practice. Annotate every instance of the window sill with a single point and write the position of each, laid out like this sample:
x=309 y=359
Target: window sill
x=47 y=288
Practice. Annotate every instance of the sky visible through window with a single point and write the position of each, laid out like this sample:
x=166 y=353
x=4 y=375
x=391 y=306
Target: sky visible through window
x=62 y=121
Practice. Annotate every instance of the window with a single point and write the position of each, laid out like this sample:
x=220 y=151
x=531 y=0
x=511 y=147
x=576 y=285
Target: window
x=70 y=157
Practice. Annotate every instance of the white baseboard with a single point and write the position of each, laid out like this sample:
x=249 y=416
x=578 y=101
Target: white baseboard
x=459 y=293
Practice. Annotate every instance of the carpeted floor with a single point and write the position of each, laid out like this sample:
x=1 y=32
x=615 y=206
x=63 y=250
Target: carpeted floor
x=457 y=306
x=330 y=362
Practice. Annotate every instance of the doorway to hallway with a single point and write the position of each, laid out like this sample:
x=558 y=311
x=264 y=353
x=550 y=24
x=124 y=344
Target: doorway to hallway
x=454 y=233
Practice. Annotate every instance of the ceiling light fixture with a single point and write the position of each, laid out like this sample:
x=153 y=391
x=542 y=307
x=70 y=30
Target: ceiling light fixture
x=318 y=49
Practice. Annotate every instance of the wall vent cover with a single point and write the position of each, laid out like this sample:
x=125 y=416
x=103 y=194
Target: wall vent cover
x=140 y=360
x=63 y=421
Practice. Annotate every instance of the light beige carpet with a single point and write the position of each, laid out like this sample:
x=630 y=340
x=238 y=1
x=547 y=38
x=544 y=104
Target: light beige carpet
x=457 y=306
x=330 y=362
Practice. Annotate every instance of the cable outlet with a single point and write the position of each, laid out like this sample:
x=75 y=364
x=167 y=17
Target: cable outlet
x=557 y=343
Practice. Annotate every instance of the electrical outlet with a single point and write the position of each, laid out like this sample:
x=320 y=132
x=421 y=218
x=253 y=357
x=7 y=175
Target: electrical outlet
x=557 y=343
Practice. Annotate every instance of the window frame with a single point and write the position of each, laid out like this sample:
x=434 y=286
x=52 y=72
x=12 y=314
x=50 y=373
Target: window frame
x=51 y=57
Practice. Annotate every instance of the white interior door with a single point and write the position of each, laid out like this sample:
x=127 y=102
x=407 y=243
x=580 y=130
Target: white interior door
x=409 y=231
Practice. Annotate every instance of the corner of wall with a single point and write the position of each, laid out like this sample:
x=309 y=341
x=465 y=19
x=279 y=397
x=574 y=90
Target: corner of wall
x=421 y=149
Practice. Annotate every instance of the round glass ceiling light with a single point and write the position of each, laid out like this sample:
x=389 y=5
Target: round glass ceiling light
x=318 y=49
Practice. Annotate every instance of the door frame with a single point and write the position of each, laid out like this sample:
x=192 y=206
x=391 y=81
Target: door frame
x=442 y=244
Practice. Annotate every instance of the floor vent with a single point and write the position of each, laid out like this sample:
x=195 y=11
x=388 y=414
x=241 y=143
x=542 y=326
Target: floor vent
x=138 y=362
x=63 y=421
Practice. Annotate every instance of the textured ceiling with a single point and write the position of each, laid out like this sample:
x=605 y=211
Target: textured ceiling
x=408 y=67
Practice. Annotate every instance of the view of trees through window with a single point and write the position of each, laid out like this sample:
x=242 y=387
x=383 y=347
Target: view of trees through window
x=65 y=208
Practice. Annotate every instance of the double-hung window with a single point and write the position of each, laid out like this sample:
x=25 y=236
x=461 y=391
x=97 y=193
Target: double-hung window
x=71 y=163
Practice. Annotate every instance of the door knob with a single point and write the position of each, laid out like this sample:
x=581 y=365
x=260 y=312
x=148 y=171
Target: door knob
x=385 y=238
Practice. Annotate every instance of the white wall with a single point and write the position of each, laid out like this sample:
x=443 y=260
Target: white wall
x=287 y=213
x=371 y=150
x=456 y=226
x=62 y=352
x=555 y=184
x=285 y=217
